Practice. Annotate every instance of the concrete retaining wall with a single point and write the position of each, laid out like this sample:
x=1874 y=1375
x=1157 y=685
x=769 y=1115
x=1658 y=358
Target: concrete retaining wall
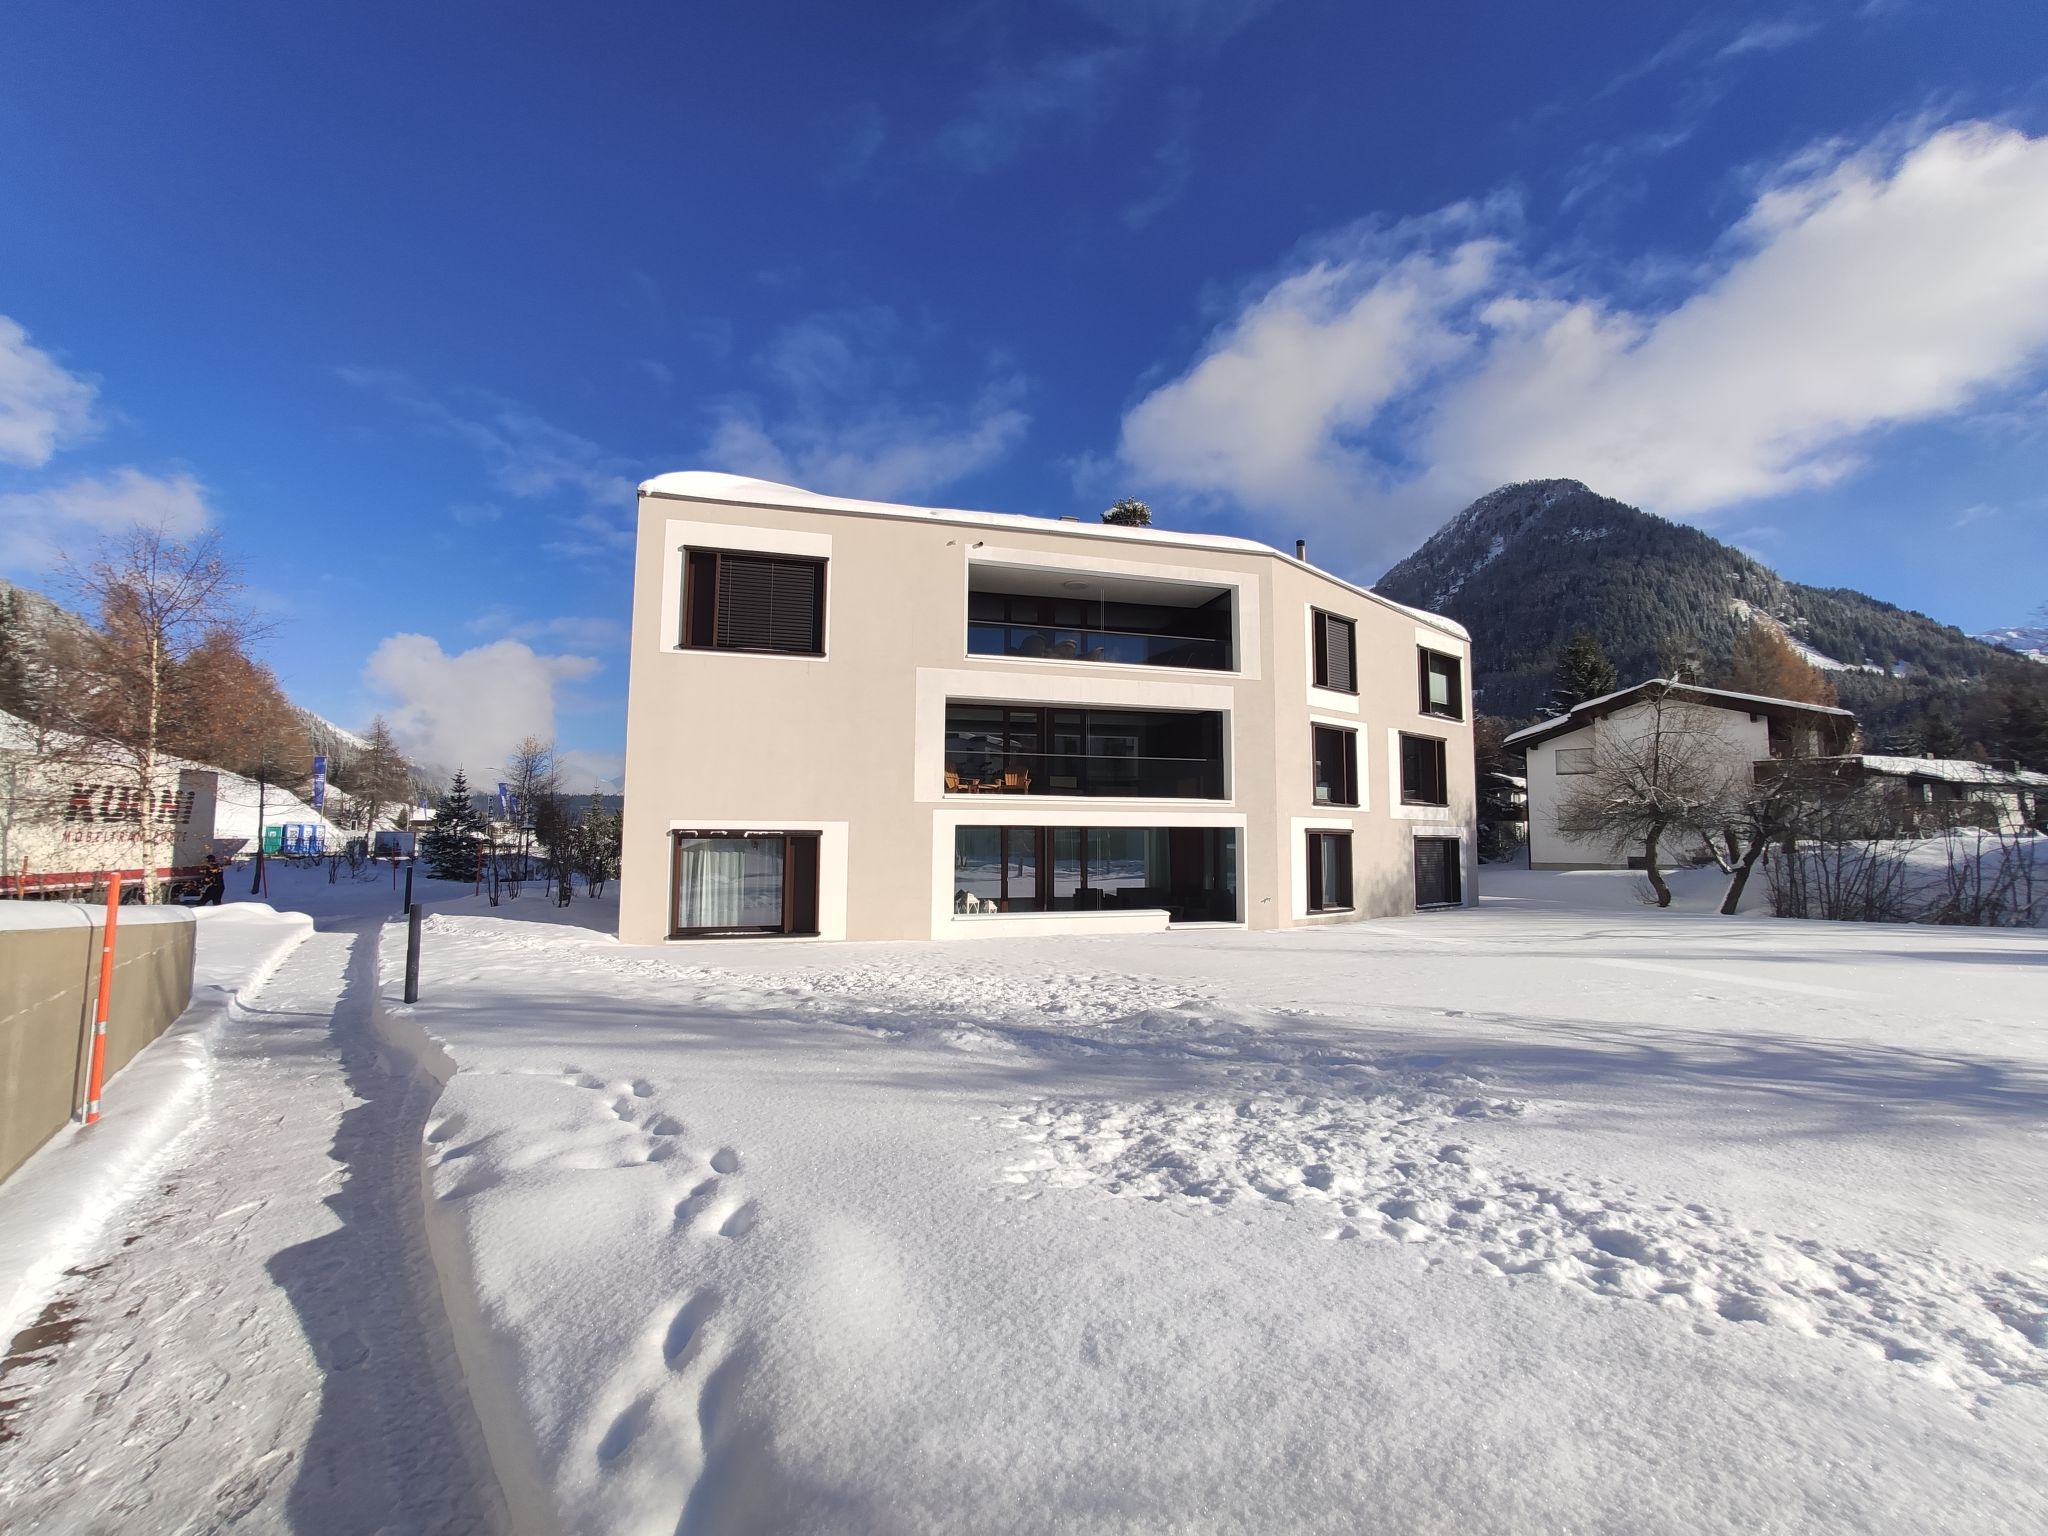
x=49 y=984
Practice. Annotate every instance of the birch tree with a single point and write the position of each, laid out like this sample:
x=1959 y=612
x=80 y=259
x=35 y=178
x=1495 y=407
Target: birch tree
x=127 y=692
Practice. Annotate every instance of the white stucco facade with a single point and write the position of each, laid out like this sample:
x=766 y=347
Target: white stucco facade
x=859 y=743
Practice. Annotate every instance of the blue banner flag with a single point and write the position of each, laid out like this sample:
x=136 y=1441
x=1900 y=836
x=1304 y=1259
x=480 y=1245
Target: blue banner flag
x=504 y=798
x=320 y=783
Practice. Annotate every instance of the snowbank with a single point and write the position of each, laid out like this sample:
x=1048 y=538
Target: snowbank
x=1555 y=1214
x=56 y=1202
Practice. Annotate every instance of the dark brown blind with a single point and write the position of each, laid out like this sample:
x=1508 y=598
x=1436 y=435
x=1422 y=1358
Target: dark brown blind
x=766 y=604
x=1336 y=653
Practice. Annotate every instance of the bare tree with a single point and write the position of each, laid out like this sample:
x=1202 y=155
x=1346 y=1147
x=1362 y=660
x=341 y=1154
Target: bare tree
x=1659 y=772
x=379 y=777
x=130 y=692
x=531 y=778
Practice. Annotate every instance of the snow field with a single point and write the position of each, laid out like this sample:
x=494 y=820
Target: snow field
x=1672 y=1223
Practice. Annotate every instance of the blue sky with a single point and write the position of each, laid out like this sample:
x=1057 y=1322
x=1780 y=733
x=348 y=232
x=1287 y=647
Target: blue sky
x=404 y=299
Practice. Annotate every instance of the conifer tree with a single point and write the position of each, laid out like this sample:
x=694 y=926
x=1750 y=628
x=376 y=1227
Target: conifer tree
x=450 y=845
x=1583 y=672
x=1129 y=513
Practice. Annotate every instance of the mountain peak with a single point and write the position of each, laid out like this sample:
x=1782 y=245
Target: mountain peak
x=1524 y=566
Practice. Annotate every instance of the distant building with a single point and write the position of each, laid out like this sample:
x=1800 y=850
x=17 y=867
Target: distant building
x=1748 y=729
x=1938 y=792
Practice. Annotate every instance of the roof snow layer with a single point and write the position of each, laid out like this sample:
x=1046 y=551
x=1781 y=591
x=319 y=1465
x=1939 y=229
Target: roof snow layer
x=708 y=485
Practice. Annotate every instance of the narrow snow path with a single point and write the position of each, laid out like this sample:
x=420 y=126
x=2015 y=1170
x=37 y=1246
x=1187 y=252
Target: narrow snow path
x=257 y=1339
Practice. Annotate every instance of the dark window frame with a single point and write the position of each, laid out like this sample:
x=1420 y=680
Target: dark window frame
x=793 y=901
x=1321 y=620
x=1346 y=793
x=696 y=619
x=1044 y=724
x=1441 y=758
x=1319 y=899
x=1044 y=855
x=1426 y=659
x=1454 y=868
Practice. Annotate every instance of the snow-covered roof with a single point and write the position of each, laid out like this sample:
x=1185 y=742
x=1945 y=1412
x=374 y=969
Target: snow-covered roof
x=708 y=485
x=1953 y=770
x=1721 y=697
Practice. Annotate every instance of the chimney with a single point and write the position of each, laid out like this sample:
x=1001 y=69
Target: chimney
x=1301 y=549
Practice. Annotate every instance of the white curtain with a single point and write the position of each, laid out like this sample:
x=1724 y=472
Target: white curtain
x=709 y=885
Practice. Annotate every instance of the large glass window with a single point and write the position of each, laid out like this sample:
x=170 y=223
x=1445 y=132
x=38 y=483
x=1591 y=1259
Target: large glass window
x=733 y=601
x=1336 y=648
x=1424 y=777
x=1191 y=872
x=1329 y=871
x=1443 y=685
x=1119 y=622
x=745 y=882
x=1137 y=753
x=1336 y=752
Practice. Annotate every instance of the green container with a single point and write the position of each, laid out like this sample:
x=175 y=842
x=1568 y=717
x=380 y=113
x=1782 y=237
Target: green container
x=273 y=839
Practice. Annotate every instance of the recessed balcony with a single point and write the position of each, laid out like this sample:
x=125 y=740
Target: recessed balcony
x=1056 y=615
x=1152 y=754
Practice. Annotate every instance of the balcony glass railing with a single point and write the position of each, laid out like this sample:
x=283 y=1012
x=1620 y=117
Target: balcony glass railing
x=1076 y=773
x=1118 y=647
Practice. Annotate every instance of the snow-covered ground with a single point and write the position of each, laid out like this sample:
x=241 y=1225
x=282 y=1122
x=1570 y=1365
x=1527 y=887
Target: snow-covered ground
x=244 y=1330
x=1557 y=1214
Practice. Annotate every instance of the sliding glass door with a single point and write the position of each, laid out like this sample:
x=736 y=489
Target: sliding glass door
x=744 y=883
x=1191 y=872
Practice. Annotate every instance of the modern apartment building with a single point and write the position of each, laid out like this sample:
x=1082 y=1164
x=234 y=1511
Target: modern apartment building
x=849 y=719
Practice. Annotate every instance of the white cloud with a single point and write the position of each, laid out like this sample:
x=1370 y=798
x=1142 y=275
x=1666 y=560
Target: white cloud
x=853 y=417
x=1068 y=89
x=579 y=771
x=42 y=406
x=596 y=633
x=1201 y=25
x=1397 y=373
x=1768 y=37
x=470 y=709
x=525 y=455
x=1173 y=161
x=39 y=527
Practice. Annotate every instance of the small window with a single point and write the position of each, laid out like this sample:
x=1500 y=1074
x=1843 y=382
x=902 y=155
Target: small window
x=1443 y=685
x=1329 y=871
x=1424 y=779
x=1574 y=759
x=1336 y=752
x=1437 y=882
x=734 y=601
x=1336 y=642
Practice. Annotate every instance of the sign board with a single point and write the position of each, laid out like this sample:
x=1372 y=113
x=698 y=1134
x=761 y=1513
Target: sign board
x=392 y=845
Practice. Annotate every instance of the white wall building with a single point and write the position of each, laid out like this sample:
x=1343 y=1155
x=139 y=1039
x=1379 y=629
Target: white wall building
x=1739 y=729
x=851 y=719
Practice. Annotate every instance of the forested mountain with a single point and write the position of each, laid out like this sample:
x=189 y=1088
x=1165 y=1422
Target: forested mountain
x=1525 y=566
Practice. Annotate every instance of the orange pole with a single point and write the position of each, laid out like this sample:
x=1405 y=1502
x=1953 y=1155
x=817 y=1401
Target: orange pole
x=96 y=1078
